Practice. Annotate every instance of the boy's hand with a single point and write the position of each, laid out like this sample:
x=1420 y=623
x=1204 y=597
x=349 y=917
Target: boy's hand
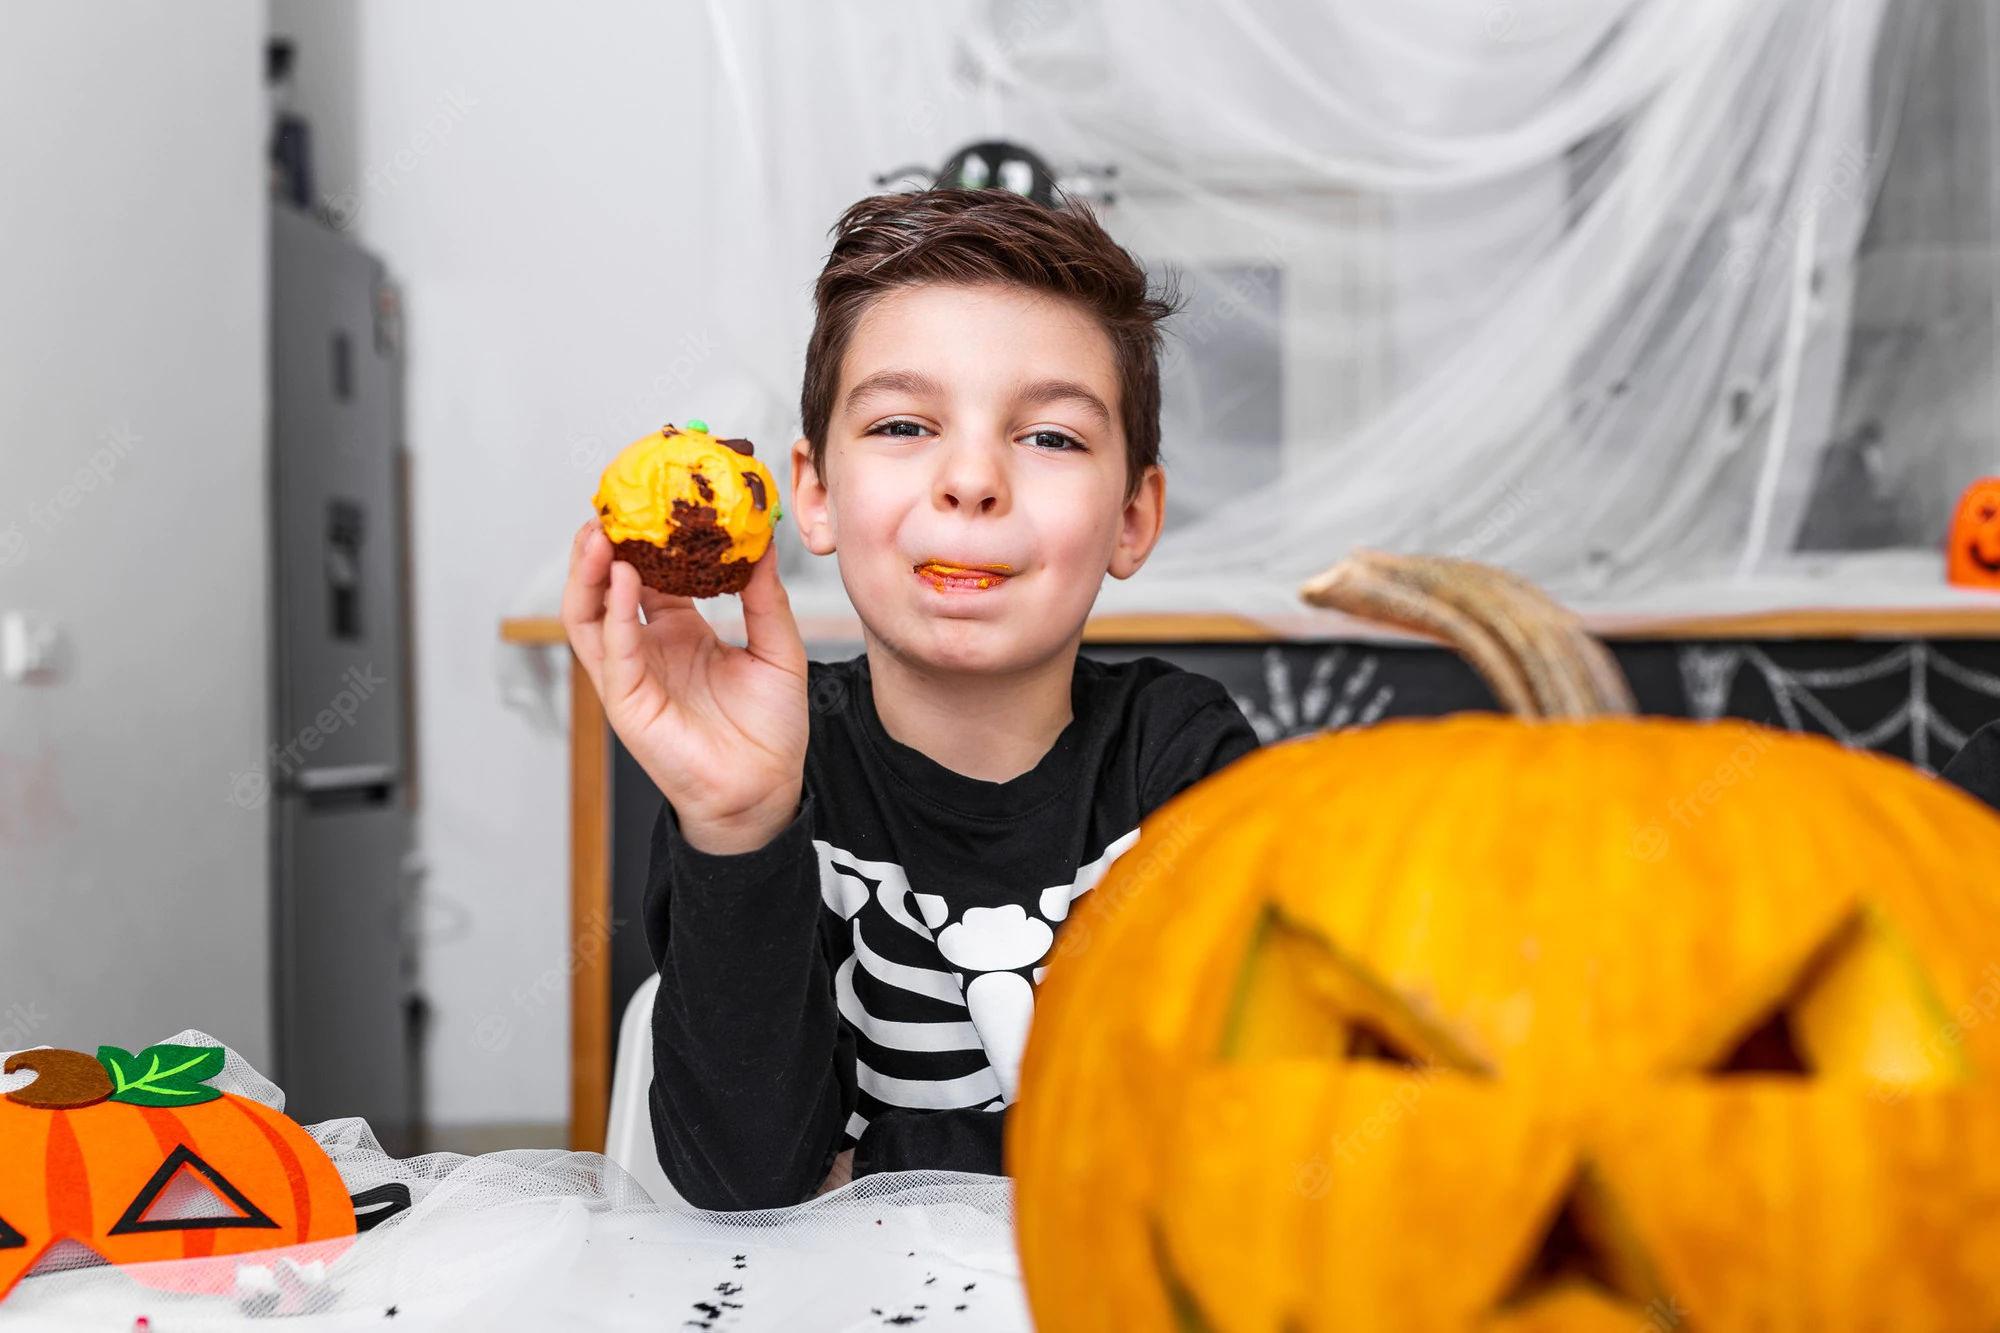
x=842 y=1173
x=720 y=729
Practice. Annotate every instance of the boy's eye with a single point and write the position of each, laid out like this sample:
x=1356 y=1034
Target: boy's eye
x=1052 y=439
x=903 y=430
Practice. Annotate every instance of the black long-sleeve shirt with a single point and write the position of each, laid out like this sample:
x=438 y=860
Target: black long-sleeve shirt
x=867 y=977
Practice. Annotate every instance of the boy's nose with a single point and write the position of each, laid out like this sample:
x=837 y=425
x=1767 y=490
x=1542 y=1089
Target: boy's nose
x=972 y=476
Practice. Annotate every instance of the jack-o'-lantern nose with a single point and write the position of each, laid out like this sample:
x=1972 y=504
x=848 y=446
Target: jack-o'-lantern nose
x=1585 y=1246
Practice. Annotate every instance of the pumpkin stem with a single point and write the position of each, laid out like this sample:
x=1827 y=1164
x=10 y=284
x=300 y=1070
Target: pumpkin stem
x=1531 y=651
x=64 y=1080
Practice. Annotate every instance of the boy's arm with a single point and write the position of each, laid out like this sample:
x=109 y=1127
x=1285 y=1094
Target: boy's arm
x=750 y=1088
x=1976 y=768
x=965 y=1140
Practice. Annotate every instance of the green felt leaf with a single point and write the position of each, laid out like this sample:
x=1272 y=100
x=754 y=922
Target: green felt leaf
x=162 y=1075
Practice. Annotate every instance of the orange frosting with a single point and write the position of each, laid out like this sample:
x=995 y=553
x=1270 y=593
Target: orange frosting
x=635 y=497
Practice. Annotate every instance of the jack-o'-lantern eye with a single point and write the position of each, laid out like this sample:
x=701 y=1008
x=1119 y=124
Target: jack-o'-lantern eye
x=1857 y=1008
x=187 y=1194
x=1300 y=998
x=10 y=1236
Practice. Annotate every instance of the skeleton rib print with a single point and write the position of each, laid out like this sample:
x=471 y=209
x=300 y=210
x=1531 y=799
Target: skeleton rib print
x=939 y=994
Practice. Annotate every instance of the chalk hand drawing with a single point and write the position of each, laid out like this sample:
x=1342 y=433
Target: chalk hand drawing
x=1335 y=696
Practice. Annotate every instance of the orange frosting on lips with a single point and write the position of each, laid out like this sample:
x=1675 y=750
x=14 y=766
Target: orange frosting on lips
x=635 y=497
x=942 y=574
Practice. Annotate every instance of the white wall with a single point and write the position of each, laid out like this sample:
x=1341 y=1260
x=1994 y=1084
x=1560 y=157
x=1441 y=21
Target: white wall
x=133 y=890
x=516 y=180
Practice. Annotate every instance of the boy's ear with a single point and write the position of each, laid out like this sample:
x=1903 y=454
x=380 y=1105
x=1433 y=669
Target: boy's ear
x=809 y=500
x=1139 y=528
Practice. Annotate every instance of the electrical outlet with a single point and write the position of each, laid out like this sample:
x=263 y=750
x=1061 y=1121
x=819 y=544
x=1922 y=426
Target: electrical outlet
x=27 y=646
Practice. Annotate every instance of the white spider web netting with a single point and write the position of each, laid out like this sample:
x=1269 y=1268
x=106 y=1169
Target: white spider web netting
x=1662 y=304
x=1670 y=306
x=551 y=1239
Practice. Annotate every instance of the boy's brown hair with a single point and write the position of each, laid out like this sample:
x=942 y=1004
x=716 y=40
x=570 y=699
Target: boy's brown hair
x=890 y=241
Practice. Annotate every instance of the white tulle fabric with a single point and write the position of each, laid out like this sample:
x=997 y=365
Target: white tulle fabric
x=548 y=1239
x=1568 y=285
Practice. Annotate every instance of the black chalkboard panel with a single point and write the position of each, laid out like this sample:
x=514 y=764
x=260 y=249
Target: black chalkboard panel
x=1915 y=700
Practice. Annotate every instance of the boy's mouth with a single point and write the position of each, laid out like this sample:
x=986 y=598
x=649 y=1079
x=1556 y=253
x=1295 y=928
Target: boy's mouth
x=948 y=577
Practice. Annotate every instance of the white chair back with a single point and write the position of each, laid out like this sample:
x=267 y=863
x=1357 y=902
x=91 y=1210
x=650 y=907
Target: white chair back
x=628 y=1138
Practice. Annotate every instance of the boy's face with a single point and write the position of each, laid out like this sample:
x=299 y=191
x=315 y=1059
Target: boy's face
x=975 y=476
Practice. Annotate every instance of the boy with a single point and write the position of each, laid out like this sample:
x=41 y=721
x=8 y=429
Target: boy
x=859 y=867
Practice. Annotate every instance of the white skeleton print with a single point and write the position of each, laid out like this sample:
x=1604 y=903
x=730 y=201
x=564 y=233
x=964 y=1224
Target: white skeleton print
x=996 y=957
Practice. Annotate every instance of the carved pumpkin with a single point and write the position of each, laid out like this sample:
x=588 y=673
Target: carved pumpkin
x=1972 y=553
x=1488 y=1024
x=136 y=1158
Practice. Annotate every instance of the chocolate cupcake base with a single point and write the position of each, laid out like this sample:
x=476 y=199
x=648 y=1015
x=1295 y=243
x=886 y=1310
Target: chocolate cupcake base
x=691 y=563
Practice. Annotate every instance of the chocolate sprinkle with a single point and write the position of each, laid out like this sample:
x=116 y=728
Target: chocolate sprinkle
x=756 y=485
x=741 y=446
x=707 y=491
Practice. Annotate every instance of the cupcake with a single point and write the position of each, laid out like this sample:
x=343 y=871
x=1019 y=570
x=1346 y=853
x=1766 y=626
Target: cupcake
x=690 y=512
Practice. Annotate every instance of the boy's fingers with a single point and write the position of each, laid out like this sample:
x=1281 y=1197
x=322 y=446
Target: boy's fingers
x=583 y=596
x=624 y=661
x=589 y=577
x=772 y=633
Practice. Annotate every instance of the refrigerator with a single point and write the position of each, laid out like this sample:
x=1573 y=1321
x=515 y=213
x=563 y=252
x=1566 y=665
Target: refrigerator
x=340 y=766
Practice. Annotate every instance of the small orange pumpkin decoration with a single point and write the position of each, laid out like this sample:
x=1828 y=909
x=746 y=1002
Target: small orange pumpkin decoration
x=138 y=1159
x=1972 y=553
x=1481 y=1024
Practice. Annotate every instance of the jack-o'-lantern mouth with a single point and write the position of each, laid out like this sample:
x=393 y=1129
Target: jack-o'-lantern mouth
x=1974 y=540
x=1584 y=1250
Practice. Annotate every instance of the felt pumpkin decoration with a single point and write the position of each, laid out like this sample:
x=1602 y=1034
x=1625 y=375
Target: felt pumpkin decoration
x=138 y=1159
x=1483 y=1023
x=1972 y=552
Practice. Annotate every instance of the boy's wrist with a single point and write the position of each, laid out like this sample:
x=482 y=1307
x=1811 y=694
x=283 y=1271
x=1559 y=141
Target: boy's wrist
x=733 y=835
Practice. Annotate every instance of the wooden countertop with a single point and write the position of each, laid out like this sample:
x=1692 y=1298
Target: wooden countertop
x=1937 y=622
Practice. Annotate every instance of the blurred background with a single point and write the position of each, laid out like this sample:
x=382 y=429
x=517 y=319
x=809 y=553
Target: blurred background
x=319 y=318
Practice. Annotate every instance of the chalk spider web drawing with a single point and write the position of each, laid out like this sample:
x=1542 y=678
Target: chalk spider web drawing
x=1709 y=675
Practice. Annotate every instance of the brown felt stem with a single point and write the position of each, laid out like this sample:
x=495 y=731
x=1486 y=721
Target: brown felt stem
x=64 y=1080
